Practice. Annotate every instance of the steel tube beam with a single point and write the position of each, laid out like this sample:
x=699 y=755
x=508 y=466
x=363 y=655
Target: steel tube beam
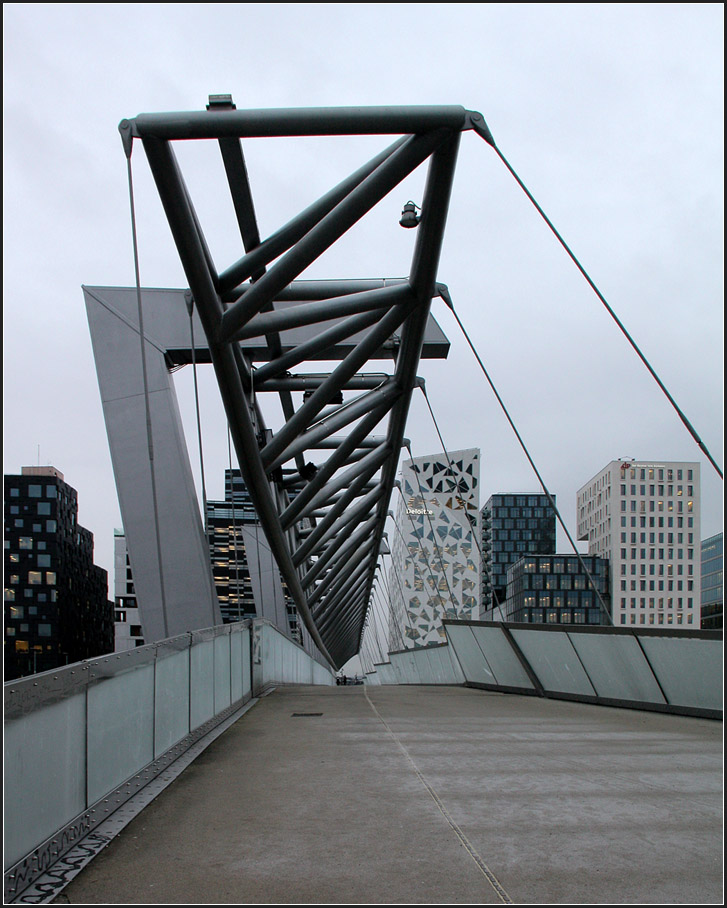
x=335 y=580
x=314 y=348
x=325 y=392
x=357 y=382
x=348 y=521
x=317 y=490
x=341 y=590
x=223 y=357
x=422 y=277
x=294 y=316
x=280 y=241
x=321 y=121
x=329 y=525
x=360 y=200
x=343 y=416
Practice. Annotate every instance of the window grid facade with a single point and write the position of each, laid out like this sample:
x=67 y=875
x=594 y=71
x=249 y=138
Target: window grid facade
x=56 y=599
x=644 y=517
x=513 y=525
x=554 y=589
x=712 y=583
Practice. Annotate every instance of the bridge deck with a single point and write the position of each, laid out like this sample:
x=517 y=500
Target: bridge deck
x=429 y=795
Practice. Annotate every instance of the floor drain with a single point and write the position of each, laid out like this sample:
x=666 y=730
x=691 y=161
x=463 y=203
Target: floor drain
x=307 y=714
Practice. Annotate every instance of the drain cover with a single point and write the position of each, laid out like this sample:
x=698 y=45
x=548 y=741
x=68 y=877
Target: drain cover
x=307 y=714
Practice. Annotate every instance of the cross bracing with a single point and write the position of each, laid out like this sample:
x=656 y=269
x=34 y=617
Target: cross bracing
x=321 y=481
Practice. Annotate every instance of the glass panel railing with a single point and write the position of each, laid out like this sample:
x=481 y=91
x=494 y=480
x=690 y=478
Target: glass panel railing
x=554 y=661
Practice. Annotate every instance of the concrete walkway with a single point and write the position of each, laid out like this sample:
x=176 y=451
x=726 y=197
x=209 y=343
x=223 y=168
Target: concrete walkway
x=434 y=795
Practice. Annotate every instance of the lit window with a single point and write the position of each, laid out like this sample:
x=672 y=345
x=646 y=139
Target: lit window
x=34 y=577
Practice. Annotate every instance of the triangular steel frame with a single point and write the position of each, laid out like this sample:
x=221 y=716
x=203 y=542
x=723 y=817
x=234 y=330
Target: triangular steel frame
x=325 y=521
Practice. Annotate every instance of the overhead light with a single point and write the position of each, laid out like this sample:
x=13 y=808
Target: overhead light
x=409 y=216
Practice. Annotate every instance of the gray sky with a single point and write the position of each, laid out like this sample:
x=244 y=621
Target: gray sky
x=612 y=114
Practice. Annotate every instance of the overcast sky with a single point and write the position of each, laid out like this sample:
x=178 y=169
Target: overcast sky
x=612 y=114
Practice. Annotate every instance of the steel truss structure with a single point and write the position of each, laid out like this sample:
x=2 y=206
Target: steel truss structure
x=324 y=518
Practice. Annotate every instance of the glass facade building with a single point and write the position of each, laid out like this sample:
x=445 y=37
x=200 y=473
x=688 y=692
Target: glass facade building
x=57 y=609
x=712 y=583
x=513 y=525
x=555 y=589
x=232 y=525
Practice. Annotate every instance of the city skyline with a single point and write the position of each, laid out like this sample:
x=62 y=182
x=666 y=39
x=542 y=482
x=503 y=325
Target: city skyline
x=626 y=158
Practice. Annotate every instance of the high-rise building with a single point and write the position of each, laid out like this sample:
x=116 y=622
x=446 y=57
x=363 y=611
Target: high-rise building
x=644 y=517
x=128 y=630
x=712 y=583
x=558 y=589
x=435 y=570
x=241 y=559
x=513 y=525
x=57 y=609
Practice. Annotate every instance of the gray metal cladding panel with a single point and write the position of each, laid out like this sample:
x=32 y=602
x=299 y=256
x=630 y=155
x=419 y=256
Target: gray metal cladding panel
x=690 y=671
x=472 y=661
x=554 y=661
x=189 y=593
x=501 y=657
x=617 y=668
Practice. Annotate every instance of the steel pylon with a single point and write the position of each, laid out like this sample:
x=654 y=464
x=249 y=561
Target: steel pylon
x=322 y=480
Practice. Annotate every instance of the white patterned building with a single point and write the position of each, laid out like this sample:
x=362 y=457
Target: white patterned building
x=435 y=570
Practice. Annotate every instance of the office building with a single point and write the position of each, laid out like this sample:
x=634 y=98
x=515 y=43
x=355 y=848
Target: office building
x=242 y=564
x=558 y=589
x=712 y=583
x=643 y=516
x=435 y=570
x=57 y=609
x=513 y=525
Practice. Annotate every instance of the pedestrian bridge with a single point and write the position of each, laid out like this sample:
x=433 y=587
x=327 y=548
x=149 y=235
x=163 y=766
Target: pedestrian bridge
x=225 y=766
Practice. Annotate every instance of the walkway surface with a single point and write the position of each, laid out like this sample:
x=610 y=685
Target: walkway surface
x=434 y=795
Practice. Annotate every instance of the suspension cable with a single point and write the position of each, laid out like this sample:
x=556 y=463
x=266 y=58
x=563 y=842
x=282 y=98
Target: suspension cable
x=610 y=311
x=404 y=610
x=392 y=625
x=550 y=498
x=147 y=406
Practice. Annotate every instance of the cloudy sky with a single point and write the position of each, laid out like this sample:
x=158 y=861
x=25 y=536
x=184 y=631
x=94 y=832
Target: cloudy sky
x=612 y=114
